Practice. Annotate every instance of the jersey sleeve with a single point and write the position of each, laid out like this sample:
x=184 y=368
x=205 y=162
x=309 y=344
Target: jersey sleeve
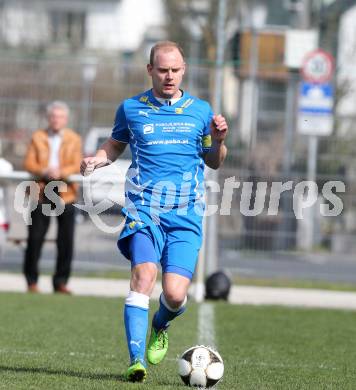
x=120 y=131
x=206 y=139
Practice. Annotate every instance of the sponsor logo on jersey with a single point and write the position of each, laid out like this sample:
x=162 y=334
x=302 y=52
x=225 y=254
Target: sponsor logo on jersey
x=148 y=129
x=132 y=224
x=179 y=110
x=143 y=113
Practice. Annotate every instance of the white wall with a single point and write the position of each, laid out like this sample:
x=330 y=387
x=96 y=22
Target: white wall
x=24 y=23
x=347 y=62
x=110 y=25
x=124 y=27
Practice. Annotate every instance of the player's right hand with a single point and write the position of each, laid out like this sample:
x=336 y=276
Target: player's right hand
x=88 y=165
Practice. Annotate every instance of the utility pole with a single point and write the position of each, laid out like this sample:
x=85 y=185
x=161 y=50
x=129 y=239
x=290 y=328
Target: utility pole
x=258 y=15
x=313 y=141
x=211 y=241
x=208 y=256
x=305 y=15
x=303 y=22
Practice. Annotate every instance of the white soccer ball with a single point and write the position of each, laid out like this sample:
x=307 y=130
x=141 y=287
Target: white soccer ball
x=200 y=366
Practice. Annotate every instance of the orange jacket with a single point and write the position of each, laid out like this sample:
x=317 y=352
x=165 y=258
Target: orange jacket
x=70 y=155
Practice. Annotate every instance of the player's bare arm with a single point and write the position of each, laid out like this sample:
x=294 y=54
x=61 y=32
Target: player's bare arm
x=216 y=155
x=109 y=151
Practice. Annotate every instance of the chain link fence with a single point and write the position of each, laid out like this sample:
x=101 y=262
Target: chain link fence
x=257 y=153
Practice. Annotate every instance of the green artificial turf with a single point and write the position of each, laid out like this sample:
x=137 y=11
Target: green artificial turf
x=61 y=342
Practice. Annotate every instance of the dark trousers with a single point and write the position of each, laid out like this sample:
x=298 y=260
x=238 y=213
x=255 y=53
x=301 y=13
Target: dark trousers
x=65 y=238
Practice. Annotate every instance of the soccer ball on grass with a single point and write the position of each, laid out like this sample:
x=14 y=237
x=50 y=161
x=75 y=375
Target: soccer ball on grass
x=200 y=366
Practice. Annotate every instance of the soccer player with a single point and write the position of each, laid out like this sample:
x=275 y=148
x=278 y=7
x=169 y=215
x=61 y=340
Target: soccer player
x=172 y=135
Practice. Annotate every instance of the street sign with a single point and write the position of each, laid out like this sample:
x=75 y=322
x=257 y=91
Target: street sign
x=318 y=67
x=315 y=109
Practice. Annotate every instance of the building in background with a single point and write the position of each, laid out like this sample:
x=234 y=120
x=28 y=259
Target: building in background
x=346 y=79
x=71 y=25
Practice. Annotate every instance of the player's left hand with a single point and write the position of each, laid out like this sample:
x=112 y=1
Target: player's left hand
x=219 y=128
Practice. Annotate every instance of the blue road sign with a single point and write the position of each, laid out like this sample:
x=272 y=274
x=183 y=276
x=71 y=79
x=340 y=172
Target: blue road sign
x=315 y=109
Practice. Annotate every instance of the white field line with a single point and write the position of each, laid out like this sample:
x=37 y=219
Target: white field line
x=244 y=363
x=206 y=324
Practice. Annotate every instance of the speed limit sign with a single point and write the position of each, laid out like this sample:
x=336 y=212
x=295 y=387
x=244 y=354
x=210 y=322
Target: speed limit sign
x=318 y=67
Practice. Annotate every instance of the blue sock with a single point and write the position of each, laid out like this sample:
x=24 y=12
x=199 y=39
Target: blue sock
x=165 y=314
x=136 y=324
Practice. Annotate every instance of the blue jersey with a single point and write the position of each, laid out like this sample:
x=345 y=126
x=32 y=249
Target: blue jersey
x=167 y=145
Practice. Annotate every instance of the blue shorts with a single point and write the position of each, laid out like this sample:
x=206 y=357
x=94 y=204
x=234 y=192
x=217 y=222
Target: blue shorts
x=174 y=242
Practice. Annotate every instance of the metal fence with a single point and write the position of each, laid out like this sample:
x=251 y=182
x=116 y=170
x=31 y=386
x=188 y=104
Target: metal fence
x=93 y=88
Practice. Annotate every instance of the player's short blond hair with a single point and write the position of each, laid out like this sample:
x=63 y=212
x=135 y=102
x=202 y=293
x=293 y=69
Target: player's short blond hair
x=162 y=45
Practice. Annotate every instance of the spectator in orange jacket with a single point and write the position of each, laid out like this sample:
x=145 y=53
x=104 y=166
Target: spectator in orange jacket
x=53 y=154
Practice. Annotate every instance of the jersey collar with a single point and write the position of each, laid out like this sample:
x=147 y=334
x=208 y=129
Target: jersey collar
x=163 y=102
